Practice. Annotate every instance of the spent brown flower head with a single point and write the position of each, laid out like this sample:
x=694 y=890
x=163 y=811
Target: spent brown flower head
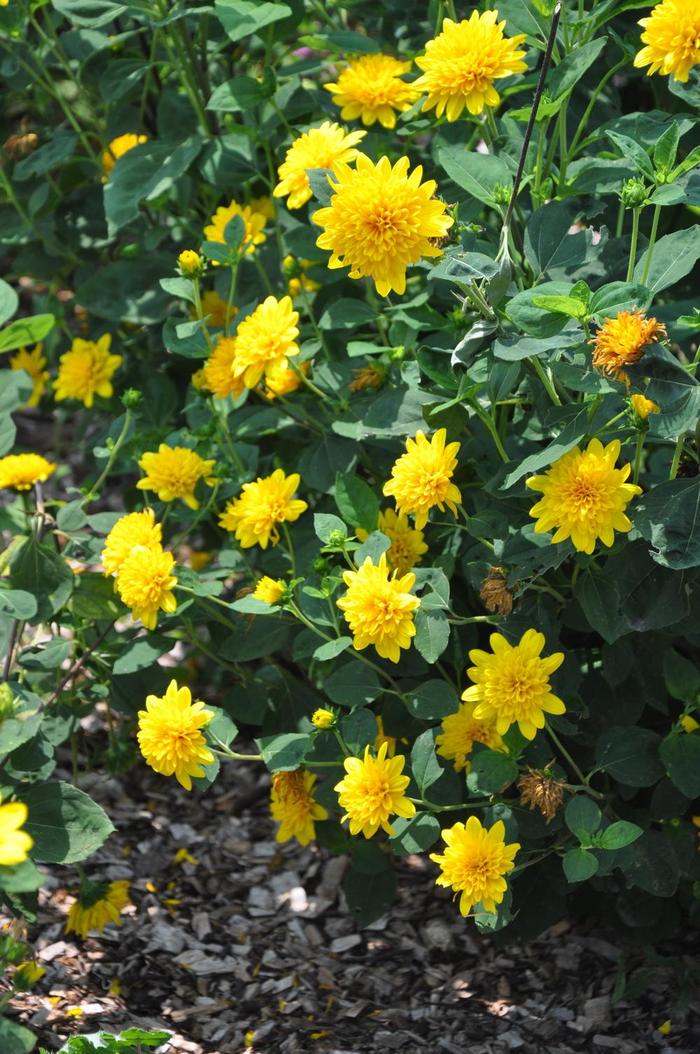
x=494 y=592
x=540 y=790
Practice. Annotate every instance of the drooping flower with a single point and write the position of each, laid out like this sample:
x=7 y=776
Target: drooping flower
x=145 y=584
x=378 y=608
x=511 y=683
x=269 y=590
x=14 y=843
x=372 y=790
x=118 y=147
x=293 y=806
x=34 y=363
x=370 y=87
x=461 y=731
x=263 y=504
x=323 y=147
x=96 y=905
x=216 y=308
x=136 y=528
x=584 y=496
x=495 y=593
x=87 y=370
x=170 y=734
x=643 y=406
x=407 y=544
x=265 y=339
x=24 y=471
x=621 y=342
x=475 y=862
x=462 y=62
x=298 y=281
x=280 y=379
x=672 y=39
x=380 y=220
x=173 y=472
x=421 y=479
x=540 y=790
x=322 y=718
x=254 y=222
x=217 y=372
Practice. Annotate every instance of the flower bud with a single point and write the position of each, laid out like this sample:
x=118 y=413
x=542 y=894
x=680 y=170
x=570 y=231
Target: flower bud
x=502 y=194
x=323 y=719
x=633 y=193
x=190 y=263
x=131 y=398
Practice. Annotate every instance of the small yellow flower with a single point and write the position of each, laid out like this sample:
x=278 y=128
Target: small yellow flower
x=97 y=904
x=118 y=147
x=269 y=590
x=665 y=1027
x=75 y=1011
x=370 y=87
x=378 y=608
x=265 y=339
x=173 y=472
x=372 y=375
x=689 y=724
x=283 y=380
x=264 y=205
x=475 y=862
x=217 y=372
x=28 y=973
x=254 y=515
x=421 y=479
x=200 y=558
x=407 y=544
x=584 y=496
x=324 y=147
x=672 y=39
x=191 y=263
x=380 y=220
x=216 y=308
x=34 y=363
x=297 y=279
x=323 y=718
x=137 y=528
x=621 y=342
x=254 y=223
x=643 y=406
x=14 y=843
x=87 y=370
x=292 y=805
x=381 y=738
x=372 y=790
x=145 y=582
x=511 y=684
x=461 y=731
x=24 y=471
x=170 y=735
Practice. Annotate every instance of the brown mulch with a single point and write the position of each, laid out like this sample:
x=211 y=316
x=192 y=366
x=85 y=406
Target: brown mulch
x=255 y=937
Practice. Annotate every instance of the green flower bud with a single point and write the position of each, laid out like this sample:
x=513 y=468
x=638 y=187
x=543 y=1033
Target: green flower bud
x=633 y=193
x=337 y=537
x=502 y=194
x=7 y=702
x=131 y=398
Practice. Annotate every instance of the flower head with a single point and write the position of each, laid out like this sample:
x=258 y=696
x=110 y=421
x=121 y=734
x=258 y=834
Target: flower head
x=422 y=477
x=372 y=375
x=216 y=308
x=281 y=379
x=263 y=504
x=378 y=608
x=170 y=735
x=145 y=584
x=511 y=683
x=97 y=904
x=265 y=339
x=118 y=147
x=474 y=863
x=643 y=406
x=621 y=342
x=136 y=528
x=461 y=731
x=293 y=807
x=269 y=590
x=87 y=370
x=407 y=544
x=190 y=263
x=370 y=87
x=14 y=843
x=672 y=39
x=462 y=62
x=297 y=279
x=324 y=147
x=372 y=790
x=217 y=372
x=264 y=205
x=34 y=363
x=380 y=220
x=24 y=471
x=584 y=496
x=322 y=718
x=173 y=472
x=495 y=592
x=540 y=790
x=253 y=223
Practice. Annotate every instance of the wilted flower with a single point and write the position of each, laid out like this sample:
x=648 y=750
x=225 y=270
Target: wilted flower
x=475 y=862
x=97 y=904
x=323 y=147
x=372 y=790
x=19 y=146
x=370 y=87
x=263 y=504
x=24 y=471
x=87 y=370
x=173 y=472
x=293 y=807
x=540 y=790
x=378 y=608
x=372 y=375
x=421 y=479
x=170 y=734
x=495 y=593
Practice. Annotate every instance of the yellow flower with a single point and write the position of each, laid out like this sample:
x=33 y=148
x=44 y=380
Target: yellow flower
x=621 y=342
x=261 y=505
x=170 y=736
x=584 y=496
x=137 y=528
x=87 y=370
x=370 y=87
x=672 y=38
x=270 y=590
x=511 y=683
x=324 y=147
x=118 y=147
x=145 y=582
x=323 y=718
x=14 y=844
x=265 y=339
x=421 y=478
x=293 y=807
x=173 y=472
x=33 y=362
x=28 y=973
x=665 y=1027
x=407 y=545
x=462 y=62
x=97 y=904
x=461 y=731
x=253 y=223
x=217 y=372
x=474 y=863
x=23 y=471
x=643 y=406
x=215 y=307
x=381 y=738
x=191 y=263
x=298 y=281
x=689 y=724
x=380 y=220
x=372 y=790
x=282 y=380
x=264 y=205
x=378 y=608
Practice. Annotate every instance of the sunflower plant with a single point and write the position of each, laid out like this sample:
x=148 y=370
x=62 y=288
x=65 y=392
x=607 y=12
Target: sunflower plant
x=354 y=366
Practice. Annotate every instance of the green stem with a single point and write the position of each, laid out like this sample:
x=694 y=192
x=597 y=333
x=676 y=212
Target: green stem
x=290 y=549
x=231 y=293
x=482 y=803
x=562 y=147
x=578 y=135
x=676 y=457
x=488 y=423
x=13 y=199
x=545 y=379
x=320 y=336
x=641 y=435
x=95 y=489
x=636 y=213
x=652 y=242
x=562 y=750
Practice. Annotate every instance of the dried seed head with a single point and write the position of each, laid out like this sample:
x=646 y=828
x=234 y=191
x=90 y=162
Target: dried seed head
x=495 y=593
x=538 y=790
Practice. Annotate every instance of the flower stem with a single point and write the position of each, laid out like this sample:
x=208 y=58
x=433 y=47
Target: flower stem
x=95 y=489
x=636 y=213
x=562 y=750
x=641 y=435
x=546 y=380
x=676 y=457
x=652 y=242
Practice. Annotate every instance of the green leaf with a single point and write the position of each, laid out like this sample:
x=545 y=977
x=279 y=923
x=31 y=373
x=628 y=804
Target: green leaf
x=476 y=173
x=632 y=151
x=424 y=763
x=599 y=596
x=651 y=864
x=46 y=657
x=353 y=684
x=94 y=597
x=579 y=865
x=141 y=653
x=237 y=95
x=549 y=245
x=359 y=730
x=674 y=256
x=490 y=771
x=582 y=816
x=284 y=752
x=680 y=754
x=346 y=314
x=666 y=148
x=673 y=388
x=523 y=311
x=18 y=730
x=431 y=700
x=24 y=331
x=630 y=755
x=241 y=18
x=611 y=299
x=18 y=603
x=356 y=501
x=89 y=13
x=432 y=633
x=14 y=1038
x=415 y=835
x=71 y=517
x=39 y=570
x=368 y=899
x=326 y=524
x=376 y=544
x=50 y=155
x=572 y=68
x=570 y=435
x=22 y=878
x=66 y=824
x=143 y=174
x=563 y=305
x=669 y=517
x=9 y=301
x=221 y=728
x=332 y=649
x=618 y=835
x=127 y=290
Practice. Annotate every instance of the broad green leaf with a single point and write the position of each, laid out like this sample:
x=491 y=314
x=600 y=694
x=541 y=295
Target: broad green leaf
x=368 y=900
x=571 y=69
x=579 y=865
x=50 y=155
x=570 y=435
x=353 y=684
x=9 y=301
x=431 y=700
x=651 y=864
x=564 y=305
x=357 y=503
x=674 y=256
x=241 y=18
x=14 y=1038
x=537 y=322
x=490 y=772
x=376 y=544
x=549 y=243
x=89 y=13
x=669 y=517
x=666 y=148
x=332 y=649
x=415 y=835
x=66 y=824
x=680 y=754
x=599 y=596
x=38 y=569
x=25 y=331
x=618 y=835
x=424 y=763
x=141 y=653
x=432 y=633
x=582 y=816
x=359 y=730
x=236 y=95
x=284 y=752
x=476 y=173
x=143 y=174
x=326 y=525
x=346 y=314
x=18 y=602
x=609 y=300
x=630 y=755
x=630 y=149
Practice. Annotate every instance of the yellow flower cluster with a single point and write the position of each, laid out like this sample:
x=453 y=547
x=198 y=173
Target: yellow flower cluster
x=143 y=569
x=253 y=223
